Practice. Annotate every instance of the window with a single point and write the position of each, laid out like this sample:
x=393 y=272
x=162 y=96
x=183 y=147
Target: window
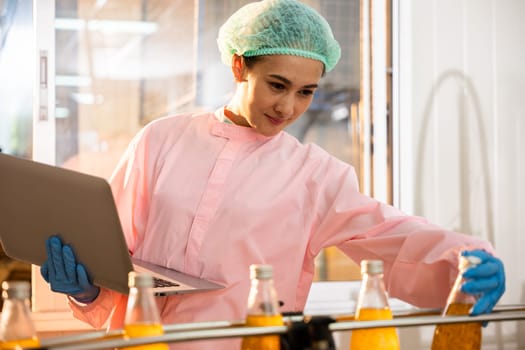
x=120 y=65
x=113 y=66
x=16 y=124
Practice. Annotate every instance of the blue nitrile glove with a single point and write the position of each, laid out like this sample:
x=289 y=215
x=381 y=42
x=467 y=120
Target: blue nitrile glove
x=64 y=274
x=486 y=280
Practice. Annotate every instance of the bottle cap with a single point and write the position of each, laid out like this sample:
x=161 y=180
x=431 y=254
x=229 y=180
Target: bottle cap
x=140 y=279
x=473 y=260
x=468 y=261
x=371 y=266
x=261 y=272
x=15 y=289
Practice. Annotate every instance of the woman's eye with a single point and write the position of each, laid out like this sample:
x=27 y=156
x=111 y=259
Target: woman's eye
x=277 y=86
x=306 y=92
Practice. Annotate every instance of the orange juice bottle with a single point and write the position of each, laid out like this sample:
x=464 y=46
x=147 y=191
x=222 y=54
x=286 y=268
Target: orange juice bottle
x=142 y=316
x=16 y=326
x=460 y=336
x=372 y=304
x=263 y=309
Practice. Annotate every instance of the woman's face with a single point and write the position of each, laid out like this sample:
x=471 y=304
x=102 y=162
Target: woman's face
x=273 y=92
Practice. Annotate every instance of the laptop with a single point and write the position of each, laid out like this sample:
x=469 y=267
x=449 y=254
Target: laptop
x=39 y=200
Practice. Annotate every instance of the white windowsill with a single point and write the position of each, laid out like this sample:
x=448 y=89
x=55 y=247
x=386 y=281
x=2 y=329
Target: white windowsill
x=58 y=321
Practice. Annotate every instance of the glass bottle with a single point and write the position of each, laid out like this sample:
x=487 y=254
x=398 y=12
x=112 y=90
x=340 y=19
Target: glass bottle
x=459 y=336
x=142 y=315
x=372 y=304
x=17 y=329
x=263 y=309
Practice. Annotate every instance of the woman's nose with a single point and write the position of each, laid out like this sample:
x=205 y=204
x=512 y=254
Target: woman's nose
x=285 y=106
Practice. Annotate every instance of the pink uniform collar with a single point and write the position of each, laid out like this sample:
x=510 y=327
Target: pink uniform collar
x=220 y=127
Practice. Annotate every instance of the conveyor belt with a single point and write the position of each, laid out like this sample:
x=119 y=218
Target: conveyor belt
x=229 y=329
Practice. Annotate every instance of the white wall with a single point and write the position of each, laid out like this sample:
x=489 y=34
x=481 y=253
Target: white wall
x=461 y=128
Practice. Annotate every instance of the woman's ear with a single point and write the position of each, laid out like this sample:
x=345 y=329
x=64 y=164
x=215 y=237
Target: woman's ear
x=238 y=68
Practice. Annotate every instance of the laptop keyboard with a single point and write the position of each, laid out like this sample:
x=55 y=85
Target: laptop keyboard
x=159 y=282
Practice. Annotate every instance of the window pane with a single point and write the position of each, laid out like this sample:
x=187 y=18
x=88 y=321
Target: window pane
x=331 y=121
x=121 y=64
x=16 y=73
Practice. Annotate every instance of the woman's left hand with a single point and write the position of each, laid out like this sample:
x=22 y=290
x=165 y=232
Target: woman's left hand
x=486 y=280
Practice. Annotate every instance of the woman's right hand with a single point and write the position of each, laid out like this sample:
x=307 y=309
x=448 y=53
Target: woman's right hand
x=64 y=274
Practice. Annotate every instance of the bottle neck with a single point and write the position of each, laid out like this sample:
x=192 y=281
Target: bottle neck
x=456 y=296
x=141 y=307
x=20 y=306
x=15 y=321
x=262 y=299
x=372 y=293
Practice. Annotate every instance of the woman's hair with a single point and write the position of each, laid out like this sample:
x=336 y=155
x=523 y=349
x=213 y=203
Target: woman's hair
x=250 y=61
x=278 y=27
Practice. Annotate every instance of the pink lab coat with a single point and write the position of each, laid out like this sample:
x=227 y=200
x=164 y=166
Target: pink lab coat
x=210 y=198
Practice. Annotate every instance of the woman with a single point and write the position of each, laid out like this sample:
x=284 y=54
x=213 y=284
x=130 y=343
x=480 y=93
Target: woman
x=211 y=193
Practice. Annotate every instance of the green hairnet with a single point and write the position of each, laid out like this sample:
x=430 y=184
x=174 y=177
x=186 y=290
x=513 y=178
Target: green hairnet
x=278 y=27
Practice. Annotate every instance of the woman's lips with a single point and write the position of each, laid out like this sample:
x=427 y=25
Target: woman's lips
x=275 y=121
